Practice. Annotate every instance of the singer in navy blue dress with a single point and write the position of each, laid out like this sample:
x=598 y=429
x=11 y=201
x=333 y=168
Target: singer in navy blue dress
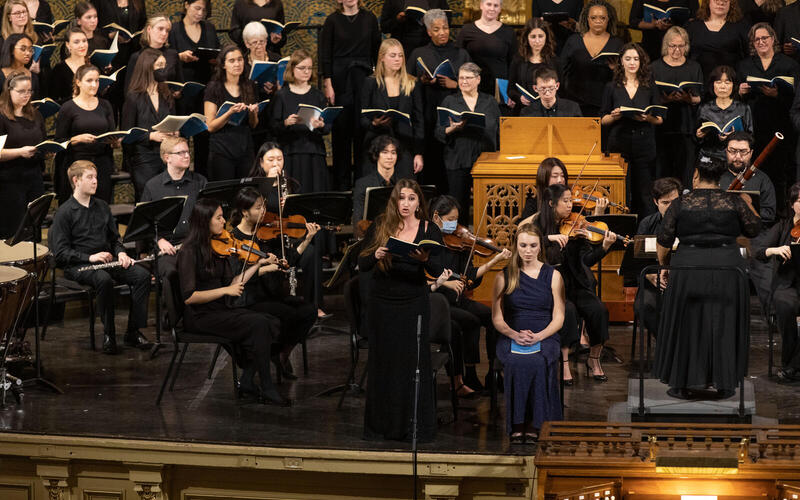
x=528 y=308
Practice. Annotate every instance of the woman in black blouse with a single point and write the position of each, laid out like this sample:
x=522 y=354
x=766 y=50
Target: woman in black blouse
x=464 y=143
x=148 y=102
x=302 y=141
x=255 y=39
x=348 y=47
x=675 y=137
x=16 y=56
x=536 y=50
x=20 y=164
x=155 y=36
x=79 y=121
x=231 y=145
x=770 y=105
x=193 y=32
x=586 y=77
x=760 y=11
x=563 y=28
x=130 y=14
x=391 y=87
x=246 y=11
x=634 y=137
x=722 y=107
x=86 y=19
x=787 y=26
x=653 y=31
x=718 y=35
x=410 y=32
x=76 y=47
x=490 y=44
x=17 y=19
x=209 y=287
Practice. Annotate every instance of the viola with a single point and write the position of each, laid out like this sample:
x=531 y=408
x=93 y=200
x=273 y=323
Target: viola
x=461 y=239
x=596 y=230
x=584 y=196
x=224 y=244
x=294 y=226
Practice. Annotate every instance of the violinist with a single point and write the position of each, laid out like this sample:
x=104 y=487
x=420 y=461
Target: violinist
x=575 y=257
x=176 y=180
x=703 y=335
x=266 y=294
x=302 y=252
x=207 y=281
x=739 y=154
x=468 y=315
x=383 y=151
x=775 y=245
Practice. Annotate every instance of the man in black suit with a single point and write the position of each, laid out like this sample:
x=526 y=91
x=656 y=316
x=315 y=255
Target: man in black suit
x=548 y=104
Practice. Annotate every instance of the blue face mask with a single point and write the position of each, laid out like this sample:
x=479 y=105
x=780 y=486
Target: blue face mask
x=449 y=226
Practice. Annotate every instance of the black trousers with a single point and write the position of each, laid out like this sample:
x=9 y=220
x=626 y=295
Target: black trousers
x=594 y=314
x=296 y=317
x=569 y=334
x=469 y=316
x=459 y=182
x=787 y=307
x=103 y=280
x=646 y=307
x=346 y=143
x=311 y=264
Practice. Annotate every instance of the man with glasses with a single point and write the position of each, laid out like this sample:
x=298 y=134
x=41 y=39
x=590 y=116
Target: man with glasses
x=549 y=104
x=739 y=151
x=176 y=180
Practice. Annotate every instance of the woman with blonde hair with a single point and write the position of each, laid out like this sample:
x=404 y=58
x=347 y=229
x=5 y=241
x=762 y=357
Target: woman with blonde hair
x=528 y=312
x=391 y=87
x=155 y=36
x=16 y=19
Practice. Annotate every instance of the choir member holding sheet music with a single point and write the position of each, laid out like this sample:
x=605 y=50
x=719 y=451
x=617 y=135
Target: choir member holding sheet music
x=86 y=20
x=407 y=25
x=76 y=47
x=549 y=104
x=129 y=14
x=17 y=19
x=435 y=86
x=465 y=142
x=155 y=36
x=633 y=134
x=763 y=11
x=770 y=100
x=536 y=50
x=718 y=35
x=491 y=45
x=348 y=48
x=392 y=88
x=148 y=102
x=679 y=81
x=787 y=27
x=721 y=114
x=301 y=135
x=16 y=56
x=21 y=165
x=589 y=56
x=655 y=17
x=79 y=121
x=255 y=39
x=231 y=143
x=247 y=11
x=44 y=15
x=561 y=15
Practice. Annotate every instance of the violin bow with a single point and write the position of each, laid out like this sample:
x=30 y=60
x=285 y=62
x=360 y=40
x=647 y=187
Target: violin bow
x=586 y=162
x=580 y=212
x=472 y=249
x=250 y=247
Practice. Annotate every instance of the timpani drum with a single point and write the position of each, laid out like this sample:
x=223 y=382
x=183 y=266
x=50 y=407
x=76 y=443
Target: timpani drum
x=16 y=292
x=21 y=256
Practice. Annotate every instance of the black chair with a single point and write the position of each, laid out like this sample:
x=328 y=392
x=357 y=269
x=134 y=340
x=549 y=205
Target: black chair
x=442 y=357
x=63 y=290
x=175 y=306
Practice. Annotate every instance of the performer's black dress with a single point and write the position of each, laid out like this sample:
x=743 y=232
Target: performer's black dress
x=704 y=335
x=395 y=299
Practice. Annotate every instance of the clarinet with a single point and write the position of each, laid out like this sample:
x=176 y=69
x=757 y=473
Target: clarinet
x=284 y=187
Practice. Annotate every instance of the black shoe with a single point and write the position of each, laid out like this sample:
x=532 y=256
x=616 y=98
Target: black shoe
x=471 y=380
x=109 y=344
x=678 y=393
x=590 y=371
x=136 y=339
x=281 y=367
x=725 y=393
x=788 y=375
x=271 y=397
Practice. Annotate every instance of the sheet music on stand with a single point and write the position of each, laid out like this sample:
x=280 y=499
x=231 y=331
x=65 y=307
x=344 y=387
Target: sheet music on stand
x=640 y=254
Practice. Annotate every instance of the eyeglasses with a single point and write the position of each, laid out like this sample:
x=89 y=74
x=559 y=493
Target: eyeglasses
x=303 y=68
x=760 y=39
x=19 y=13
x=738 y=152
x=26 y=49
x=675 y=47
x=545 y=90
x=23 y=92
x=467 y=78
x=180 y=153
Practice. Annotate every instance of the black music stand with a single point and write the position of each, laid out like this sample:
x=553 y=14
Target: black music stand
x=30 y=229
x=377 y=198
x=755 y=197
x=225 y=191
x=328 y=207
x=149 y=221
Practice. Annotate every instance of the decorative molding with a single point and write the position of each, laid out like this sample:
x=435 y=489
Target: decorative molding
x=148 y=491
x=56 y=488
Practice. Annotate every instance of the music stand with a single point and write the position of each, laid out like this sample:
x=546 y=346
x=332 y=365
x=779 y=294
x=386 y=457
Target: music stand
x=621 y=224
x=377 y=198
x=30 y=229
x=329 y=207
x=755 y=196
x=149 y=221
x=225 y=191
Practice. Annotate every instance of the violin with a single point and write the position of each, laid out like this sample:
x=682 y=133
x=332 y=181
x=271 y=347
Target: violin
x=294 y=226
x=224 y=244
x=738 y=182
x=584 y=196
x=453 y=277
x=795 y=232
x=461 y=239
x=596 y=231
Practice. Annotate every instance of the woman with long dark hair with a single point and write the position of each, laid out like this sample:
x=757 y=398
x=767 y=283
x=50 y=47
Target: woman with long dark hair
x=537 y=49
x=16 y=56
x=634 y=137
x=398 y=302
x=148 y=102
x=528 y=312
x=231 y=144
x=208 y=288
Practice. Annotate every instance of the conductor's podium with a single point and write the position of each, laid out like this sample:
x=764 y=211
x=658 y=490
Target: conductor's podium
x=503 y=180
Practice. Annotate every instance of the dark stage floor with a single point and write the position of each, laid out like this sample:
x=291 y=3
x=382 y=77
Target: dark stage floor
x=114 y=396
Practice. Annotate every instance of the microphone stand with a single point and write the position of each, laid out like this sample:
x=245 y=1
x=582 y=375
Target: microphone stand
x=416 y=407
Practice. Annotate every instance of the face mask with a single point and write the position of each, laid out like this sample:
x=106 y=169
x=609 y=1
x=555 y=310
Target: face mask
x=160 y=75
x=449 y=226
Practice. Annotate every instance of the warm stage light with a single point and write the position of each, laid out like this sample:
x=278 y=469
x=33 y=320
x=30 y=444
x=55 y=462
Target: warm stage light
x=698 y=497
x=697 y=465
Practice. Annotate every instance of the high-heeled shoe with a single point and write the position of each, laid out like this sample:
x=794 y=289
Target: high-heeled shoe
x=568 y=382
x=590 y=371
